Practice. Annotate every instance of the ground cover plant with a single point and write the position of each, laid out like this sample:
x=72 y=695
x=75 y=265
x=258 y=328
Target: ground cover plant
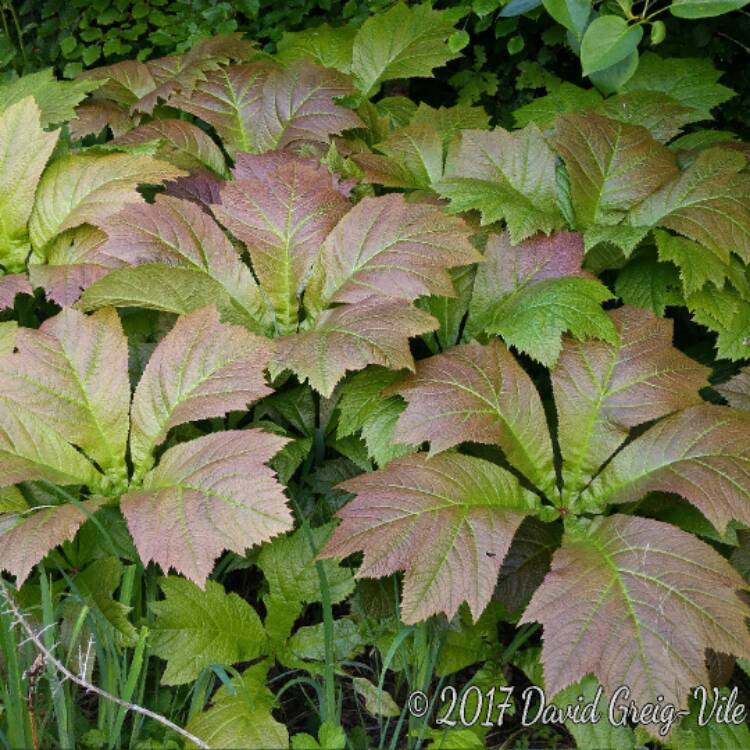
x=315 y=398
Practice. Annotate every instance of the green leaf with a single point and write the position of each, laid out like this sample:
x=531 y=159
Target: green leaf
x=55 y=99
x=504 y=175
x=612 y=166
x=86 y=189
x=691 y=82
x=290 y=567
x=328 y=46
x=378 y=702
x=572 y=14
x=21 y=135
x=707 y=203
x=698 y=264
x=645 y=282
x=241 y=717
x=363 y=407
x=567 y=97
x=612 y=79
x=607 y=40
x=196 y=628
x=704 y=8
x=403 y=42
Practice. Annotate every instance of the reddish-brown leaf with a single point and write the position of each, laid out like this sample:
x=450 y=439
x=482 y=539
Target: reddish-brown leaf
x=205 y=496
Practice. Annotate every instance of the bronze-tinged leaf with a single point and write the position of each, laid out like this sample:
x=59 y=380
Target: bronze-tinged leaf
x=283 y=218
x=612 y=166
x=87 y=189
x=202 y=188
x=447 y=521
x=263 y=167
x=64 y=284
x=480 y=394
x=95 y=115
x=527 y=562
x=26 y=539
x=737 y=390
x=125 y=82
x=510 y=269
x=709 y=202
x=386 y=246
x=178 y=233
x=72 y=373
x=701 y=453
x=30 y=449
x=12 y=285
x=182 y=143
x=347 y=338
x=637 y=602
x=603 y=390
x=262 y=106
x=205 y=496
x=180 y=73
x=504 y=175
x=200 y=369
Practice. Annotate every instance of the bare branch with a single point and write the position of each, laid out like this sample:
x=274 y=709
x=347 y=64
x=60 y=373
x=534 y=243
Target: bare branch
x=50 y=658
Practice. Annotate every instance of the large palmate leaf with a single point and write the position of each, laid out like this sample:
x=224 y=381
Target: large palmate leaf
x=25 y=149
x=532 y=292
x=72 y=373
x=198 y=502
x=468 y=509
x=181 y=143
x=401 y=43
x=262 y=106
x=504 y=175
x=602 y=389
x=612 y=166
x=387 y=247
x=283 y=216
x=374 y=331
x=707 y=202
x=8 y=331
x=177 y=232
x=200 y=369
x=87 y=188
x=329 y=46
x=196 y=628
x=701 y=453
x=737 y=390
x=480 y=394
x=637 y=602
x=692 y=82
x=25 y=538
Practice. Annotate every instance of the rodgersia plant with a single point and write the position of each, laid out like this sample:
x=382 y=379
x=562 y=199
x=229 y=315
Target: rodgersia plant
x=68 y=422
x=634 y=600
